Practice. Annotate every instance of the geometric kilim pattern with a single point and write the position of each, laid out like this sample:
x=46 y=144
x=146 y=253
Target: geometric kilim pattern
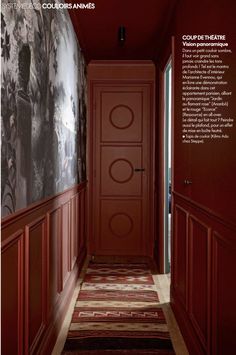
x=118 y=312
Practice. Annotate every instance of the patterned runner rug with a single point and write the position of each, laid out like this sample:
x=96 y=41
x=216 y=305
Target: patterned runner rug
x=118 y=312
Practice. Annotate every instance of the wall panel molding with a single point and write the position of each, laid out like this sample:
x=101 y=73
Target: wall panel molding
x=65 y=243
x=38 y=208
x=185 y=325
x=12 y=285
x=198 y=277
x=54 y=256
x=74 y=230
x=206 y=211
x=179 y=254
x=223 y=311
x=43 y=249
x=207 y=311
x=35 y=283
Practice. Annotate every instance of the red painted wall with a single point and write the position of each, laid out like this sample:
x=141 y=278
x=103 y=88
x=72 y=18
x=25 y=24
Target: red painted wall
x=204 y=214
x=43 y=248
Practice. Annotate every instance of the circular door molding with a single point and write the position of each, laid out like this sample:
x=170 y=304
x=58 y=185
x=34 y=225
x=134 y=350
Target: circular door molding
x=121 y=117
x=121 y=225
x=121 y=171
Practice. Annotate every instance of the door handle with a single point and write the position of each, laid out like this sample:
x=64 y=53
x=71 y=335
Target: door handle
x=139 y=169
x=188 y=182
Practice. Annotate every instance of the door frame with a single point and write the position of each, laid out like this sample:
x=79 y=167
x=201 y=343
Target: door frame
x=118 y=73
x=160 y=259
x=167 y=138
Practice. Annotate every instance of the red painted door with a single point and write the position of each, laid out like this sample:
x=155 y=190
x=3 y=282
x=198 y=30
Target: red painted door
x=122 y=170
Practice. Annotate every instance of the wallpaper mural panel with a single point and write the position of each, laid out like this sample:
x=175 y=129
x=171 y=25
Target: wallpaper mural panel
x=43 y=116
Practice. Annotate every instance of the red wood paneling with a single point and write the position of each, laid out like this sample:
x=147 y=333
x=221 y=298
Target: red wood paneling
x=54 y=257
x=198 y=277
x=117 y=222
x=38 y=277
x=65 y=243
x=12 y=294
x=204 y=254
x=117 y=171
x=35 y=283
x=74 y=230
x=180 y=253
x=82 y=216
x=223 y=294
x=139 y=70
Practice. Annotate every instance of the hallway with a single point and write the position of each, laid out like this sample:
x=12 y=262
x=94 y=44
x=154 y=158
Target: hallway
x=109 y=288
x=102 y=107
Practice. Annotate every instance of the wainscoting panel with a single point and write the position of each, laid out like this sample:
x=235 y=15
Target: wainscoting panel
x=65 y=243
x=207 y=314
x=12 y=294
x=54 y=255
x=82 y=216
x=180 y=253
x=43 y=248
x=74 y=230
x=198 y=277
x=35 y=283
x=223 y=294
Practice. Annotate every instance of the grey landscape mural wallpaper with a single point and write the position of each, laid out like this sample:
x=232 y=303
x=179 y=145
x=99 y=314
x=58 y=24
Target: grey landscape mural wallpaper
x=43 y=102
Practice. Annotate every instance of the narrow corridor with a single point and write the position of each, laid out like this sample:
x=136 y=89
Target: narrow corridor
x=113 y=115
